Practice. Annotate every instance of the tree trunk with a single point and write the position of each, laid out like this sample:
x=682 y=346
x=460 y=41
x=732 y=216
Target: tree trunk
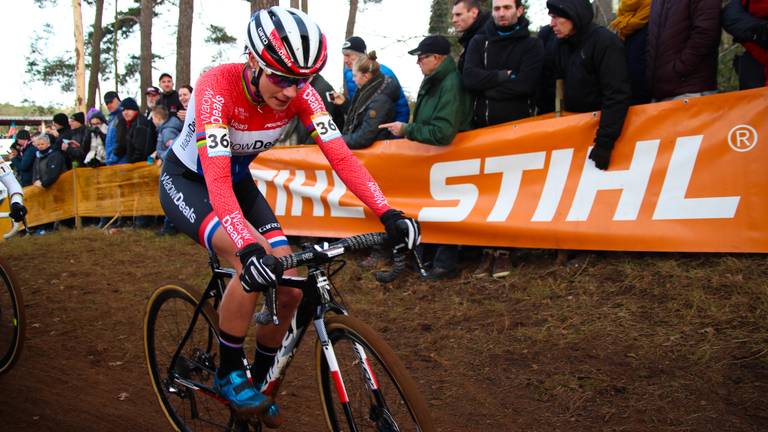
x=184 y=43
x=145 y=70
x=305 y=6
x=296 y=4
x=79 y=56
x=351 y=19
x=263 y=4
x=440 y=17
x=93 y=79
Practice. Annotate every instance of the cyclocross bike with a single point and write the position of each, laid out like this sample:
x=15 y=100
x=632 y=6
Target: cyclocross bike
x=363 y=385
x=12 y=321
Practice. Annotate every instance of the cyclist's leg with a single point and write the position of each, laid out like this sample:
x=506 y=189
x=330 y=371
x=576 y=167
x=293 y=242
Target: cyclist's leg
x=184 y=198
x=237 y=308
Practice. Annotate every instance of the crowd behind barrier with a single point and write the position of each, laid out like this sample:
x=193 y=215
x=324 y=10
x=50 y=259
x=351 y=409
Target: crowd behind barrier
x=654 y=51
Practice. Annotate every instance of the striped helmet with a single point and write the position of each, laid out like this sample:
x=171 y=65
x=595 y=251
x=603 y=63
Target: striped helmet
x=287 y=42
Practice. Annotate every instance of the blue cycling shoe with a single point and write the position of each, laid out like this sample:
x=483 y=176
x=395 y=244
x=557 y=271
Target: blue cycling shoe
x=243 y=397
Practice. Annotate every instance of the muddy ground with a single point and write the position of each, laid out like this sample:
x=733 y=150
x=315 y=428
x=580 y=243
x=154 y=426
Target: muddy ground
x=608 y=342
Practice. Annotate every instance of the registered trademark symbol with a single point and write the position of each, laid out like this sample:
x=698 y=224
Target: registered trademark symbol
x=742 y=138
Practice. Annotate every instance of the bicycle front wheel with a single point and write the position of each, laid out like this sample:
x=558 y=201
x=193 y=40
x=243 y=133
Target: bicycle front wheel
x=12 y=321
x=184 y=390
x=380 y=394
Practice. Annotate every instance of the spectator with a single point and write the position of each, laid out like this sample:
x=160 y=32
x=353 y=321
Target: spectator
x=503 y=66
x=353 y=48
x=631 y=25
x=94 y=148
x=72 y=147
x=373 y=104
x=133 y=139
x=135 y=142
x=153 y=94
x=185 y=93
x=26 y=158
x=168 y=128
x=58 y=130
x=112 y=100
x=169 y=98
x=467 y=19
x=592 y=63
x=296 y=133
x=683 y=40
x=49 y=163
x=443 y=107
x=747 y=22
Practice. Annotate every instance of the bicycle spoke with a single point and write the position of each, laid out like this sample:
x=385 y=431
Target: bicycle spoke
x=186 y=390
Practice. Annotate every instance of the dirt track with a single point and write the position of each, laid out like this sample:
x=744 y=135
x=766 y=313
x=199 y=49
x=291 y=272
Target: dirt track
x=548 y=351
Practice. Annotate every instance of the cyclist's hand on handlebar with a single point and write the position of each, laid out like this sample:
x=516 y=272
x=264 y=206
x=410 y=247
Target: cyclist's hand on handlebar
x=401 y=230
x=18 y=211
x=258 y=275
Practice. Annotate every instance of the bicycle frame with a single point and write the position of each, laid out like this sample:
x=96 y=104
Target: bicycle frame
x=316 y=302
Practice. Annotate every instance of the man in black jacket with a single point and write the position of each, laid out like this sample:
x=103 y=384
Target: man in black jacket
x=467 y=19
x=592 y=63
x=503 y=66
x=169 y=97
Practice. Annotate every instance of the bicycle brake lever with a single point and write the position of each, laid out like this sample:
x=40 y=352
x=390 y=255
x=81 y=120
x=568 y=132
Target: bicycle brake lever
x=268 y=315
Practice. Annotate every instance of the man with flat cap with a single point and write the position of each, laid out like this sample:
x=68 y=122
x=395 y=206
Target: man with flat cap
x=443 y=107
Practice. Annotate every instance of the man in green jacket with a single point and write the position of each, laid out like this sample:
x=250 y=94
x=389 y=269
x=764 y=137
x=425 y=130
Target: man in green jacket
x=443 y=107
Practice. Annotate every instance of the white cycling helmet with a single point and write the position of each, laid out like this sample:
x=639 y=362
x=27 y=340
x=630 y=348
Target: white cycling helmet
x=287 y=42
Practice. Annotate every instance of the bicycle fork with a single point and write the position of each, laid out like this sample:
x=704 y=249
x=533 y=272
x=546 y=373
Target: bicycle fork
x=333 y=367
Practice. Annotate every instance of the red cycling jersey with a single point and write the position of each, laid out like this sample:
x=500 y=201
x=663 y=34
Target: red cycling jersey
x=225 y=130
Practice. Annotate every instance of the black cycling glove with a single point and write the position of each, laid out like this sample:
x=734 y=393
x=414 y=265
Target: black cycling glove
x=401 y=230
x=18 y=211
x=256 y=275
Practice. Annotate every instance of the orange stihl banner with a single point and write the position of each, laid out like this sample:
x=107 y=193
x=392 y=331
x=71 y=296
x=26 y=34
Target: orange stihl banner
x=685 y=176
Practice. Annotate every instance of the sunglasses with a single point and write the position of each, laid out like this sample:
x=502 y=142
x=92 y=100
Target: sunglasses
x=423 y=57
x=283 y=81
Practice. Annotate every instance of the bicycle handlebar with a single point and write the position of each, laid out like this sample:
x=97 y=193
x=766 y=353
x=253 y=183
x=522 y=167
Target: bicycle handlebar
x=324 y=252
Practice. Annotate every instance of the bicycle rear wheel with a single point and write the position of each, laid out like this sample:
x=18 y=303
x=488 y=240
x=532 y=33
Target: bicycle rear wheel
x=12 y=321
x=185 y=391
x=388 y=402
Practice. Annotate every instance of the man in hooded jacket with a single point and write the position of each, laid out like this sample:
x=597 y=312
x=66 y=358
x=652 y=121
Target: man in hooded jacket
x=503 y=66
x=591 y=61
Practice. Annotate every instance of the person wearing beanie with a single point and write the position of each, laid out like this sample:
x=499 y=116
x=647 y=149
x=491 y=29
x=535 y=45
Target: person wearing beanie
x=25 y=159
x=134 y=138
x=354 y=48
x=503 y=66
x=591 y=61
x=129 y=103
x=72 y=147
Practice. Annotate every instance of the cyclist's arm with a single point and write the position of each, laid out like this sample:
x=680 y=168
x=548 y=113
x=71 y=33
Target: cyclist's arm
x=212 y=115
x=9 y=180
x=318 y=122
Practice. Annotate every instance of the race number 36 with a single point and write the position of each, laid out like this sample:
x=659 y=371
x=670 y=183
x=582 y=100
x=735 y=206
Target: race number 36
x=218 y=141
x=325 y=127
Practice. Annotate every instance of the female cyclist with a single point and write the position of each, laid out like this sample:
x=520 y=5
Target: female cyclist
x=236 y=112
